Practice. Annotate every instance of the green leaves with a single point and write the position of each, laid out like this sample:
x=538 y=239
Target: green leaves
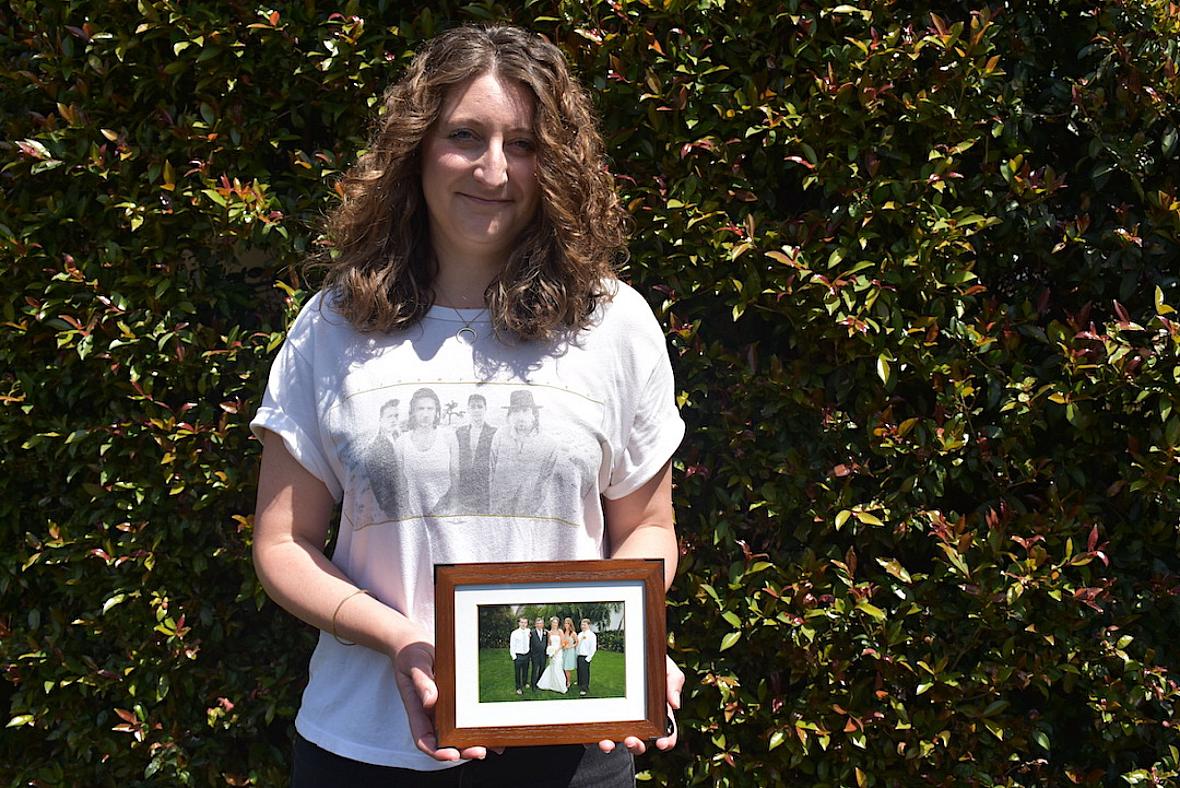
x=916 y=271
x=884 y=369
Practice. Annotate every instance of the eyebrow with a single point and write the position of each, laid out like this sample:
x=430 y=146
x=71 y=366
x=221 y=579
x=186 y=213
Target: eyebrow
x=471 y=121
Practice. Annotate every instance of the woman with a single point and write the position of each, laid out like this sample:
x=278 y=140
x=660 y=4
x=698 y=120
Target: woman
x=473 y=249
x=427 y=456
x=554 y=677
x=569 y=650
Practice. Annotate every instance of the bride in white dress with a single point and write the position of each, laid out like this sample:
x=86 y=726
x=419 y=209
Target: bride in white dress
x=554 y=676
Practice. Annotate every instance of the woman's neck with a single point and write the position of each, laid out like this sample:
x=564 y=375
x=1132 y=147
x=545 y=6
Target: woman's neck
x=462 y=281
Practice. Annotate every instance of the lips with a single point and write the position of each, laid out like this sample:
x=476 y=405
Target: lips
x=484 y=200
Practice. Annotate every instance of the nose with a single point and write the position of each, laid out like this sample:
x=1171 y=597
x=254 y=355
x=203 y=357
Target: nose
x=492 y=168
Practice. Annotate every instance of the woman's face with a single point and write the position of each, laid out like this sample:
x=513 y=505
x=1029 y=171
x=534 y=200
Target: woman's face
x=424 y=412
x=479 y=170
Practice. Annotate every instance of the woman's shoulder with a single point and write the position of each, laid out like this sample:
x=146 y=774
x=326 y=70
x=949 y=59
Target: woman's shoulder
x=623 y=299
x=626 y=328
x=625 y=313
x=320 y=318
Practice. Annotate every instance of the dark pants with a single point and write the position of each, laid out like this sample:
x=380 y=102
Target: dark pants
x=521 y=663
x=538 y=667
x=583 y=674
x=558 y=766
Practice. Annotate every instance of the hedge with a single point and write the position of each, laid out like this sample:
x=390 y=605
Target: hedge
x=918 y=266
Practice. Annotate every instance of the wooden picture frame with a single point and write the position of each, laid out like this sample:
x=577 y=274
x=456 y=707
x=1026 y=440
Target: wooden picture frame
x=464 y=717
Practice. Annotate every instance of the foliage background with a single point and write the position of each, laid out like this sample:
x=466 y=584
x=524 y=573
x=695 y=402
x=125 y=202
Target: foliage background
x=918 y=263
x=496 y=622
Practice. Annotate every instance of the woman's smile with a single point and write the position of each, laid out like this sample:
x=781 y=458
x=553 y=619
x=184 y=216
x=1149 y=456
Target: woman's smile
x=493 y=201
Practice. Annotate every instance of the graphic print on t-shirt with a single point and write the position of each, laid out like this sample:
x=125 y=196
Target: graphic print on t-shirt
x=458 y=450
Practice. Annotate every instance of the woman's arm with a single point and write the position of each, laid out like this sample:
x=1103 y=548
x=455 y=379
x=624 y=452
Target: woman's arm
x=641 y=525
x=290 y=526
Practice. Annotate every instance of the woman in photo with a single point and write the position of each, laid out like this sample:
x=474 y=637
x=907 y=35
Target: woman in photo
x=474 y=248
x=554 y=678
x=569 y=649
x=428 y=456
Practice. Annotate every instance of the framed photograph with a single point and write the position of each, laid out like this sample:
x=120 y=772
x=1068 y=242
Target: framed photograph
x=549 y=652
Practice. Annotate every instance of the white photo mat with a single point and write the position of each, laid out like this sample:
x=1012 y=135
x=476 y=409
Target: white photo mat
x=471 y=713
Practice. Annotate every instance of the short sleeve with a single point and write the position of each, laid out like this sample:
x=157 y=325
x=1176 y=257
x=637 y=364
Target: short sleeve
x=289 y=410
x=655 y=432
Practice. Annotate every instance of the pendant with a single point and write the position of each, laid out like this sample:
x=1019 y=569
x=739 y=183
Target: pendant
x=466 y=335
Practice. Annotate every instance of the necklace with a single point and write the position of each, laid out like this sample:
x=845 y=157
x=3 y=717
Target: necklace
x=467 y=335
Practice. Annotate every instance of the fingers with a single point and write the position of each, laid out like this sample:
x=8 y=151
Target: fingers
x=425 y=687
x=675 y=686
x=669 y=741
x=635 y=745
x=415 y=682
x=421 y=726
x=422 y=731
x=675 y=683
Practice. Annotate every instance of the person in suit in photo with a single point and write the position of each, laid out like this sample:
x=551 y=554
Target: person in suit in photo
x=587 y=646
x=381 y=460
x=538 y=642
x=475 y=457
x=520 y=650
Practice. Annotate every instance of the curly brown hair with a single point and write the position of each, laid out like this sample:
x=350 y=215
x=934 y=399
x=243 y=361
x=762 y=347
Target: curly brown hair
x=381 y=265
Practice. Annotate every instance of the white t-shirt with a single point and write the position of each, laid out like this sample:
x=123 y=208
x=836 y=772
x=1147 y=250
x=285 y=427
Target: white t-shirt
x=519 y=642
x=587 y=645
x=573 y=420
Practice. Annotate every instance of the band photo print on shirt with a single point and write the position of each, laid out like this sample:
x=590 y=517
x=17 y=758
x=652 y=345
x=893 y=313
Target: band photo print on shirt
x=452 y=451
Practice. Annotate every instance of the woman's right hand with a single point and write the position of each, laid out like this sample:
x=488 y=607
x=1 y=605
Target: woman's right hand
x=414 y=669
x=290 y=526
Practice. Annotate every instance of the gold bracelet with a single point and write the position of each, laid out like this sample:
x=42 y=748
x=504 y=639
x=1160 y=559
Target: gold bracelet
x=335 y=634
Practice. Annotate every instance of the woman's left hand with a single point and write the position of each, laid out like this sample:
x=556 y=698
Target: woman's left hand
x=641 y=525
x=414 y=671
x=675 y=679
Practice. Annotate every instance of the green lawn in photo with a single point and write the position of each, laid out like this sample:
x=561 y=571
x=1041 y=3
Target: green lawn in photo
x=608 y=678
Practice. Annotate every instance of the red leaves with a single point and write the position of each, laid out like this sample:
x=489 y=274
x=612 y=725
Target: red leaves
x=85 y=32
x=33 y=149
x=1029 y=542
x=1089 y=596
x=132 y=723
x=1096 y=550
x=940 y=27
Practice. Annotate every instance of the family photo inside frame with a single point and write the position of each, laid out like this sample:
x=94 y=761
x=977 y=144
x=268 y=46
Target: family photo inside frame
x=549 y=652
